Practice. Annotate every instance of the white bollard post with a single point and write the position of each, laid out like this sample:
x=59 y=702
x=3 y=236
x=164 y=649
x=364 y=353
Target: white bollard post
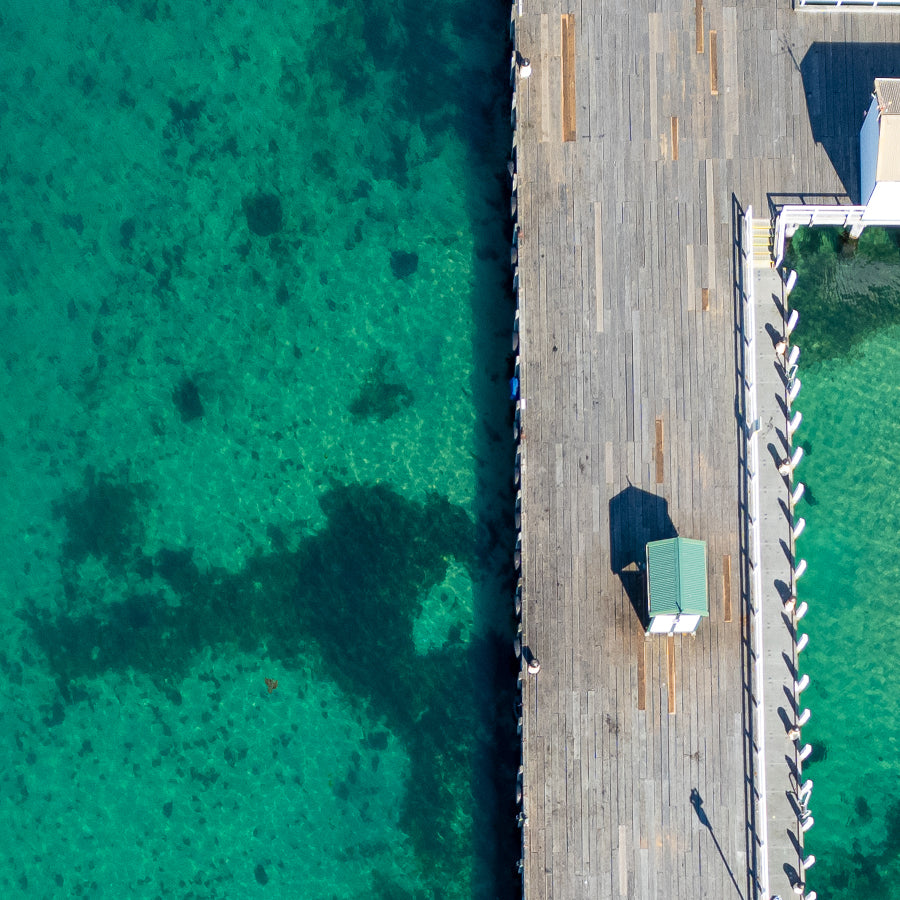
x=792 y=322
x=802 y=684
x=799 y=569
x=805 y=791
x=798 y=528
x=794 y=424
x=789 y=285
x=809 y=862
x=804 y=752
x=798 y=492
x=804 y=717
x=807 y=823
x=802 y=642
x=793 y=356
x=802 y=610
x=788 y=465
x=794 y=390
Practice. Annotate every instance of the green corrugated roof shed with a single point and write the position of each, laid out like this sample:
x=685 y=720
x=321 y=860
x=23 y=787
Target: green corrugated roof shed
x=676 y=573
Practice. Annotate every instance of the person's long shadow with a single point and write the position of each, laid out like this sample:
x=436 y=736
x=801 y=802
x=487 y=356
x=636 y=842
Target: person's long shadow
x=636 y=517
x=697 y=803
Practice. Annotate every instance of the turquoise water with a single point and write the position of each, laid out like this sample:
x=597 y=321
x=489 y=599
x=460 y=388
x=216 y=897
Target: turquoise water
x=255 y=425
x=849 y=334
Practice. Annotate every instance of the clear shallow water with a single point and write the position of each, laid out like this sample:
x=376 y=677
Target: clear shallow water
x=849 y=334
x=256 y=317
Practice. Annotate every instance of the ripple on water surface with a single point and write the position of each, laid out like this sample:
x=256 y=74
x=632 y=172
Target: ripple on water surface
x=849 y=333
x=256 y=318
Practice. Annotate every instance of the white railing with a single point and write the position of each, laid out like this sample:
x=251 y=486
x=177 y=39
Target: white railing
x=846 y=4
x=751 y=425
x=790 y=218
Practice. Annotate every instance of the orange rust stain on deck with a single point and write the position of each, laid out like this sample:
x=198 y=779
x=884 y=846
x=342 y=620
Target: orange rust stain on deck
x=568 y=77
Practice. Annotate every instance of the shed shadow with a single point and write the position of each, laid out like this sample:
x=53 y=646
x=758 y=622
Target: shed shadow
x=838 y=80
x=636 y=517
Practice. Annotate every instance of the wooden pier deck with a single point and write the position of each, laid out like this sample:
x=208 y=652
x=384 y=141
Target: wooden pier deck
x=642 y=132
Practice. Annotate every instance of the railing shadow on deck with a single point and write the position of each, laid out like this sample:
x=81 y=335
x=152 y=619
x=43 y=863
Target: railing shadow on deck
x=636 y=517
x=776 y=201
x=838 y=79
x=754 y=880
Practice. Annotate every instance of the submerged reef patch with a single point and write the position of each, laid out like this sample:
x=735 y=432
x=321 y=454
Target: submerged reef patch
x=404 y=263
x=379 y=396
x=264 y=214
x=102 y=520
x=354 y=589
x=186 y=397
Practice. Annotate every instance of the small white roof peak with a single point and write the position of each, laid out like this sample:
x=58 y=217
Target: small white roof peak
x=887 y=93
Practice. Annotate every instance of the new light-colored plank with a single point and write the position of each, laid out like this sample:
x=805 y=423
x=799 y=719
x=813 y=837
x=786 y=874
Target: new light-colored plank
x=670 y=672
x=642 y=676
x=726 y=586
x=658 y=453
x=598 y=266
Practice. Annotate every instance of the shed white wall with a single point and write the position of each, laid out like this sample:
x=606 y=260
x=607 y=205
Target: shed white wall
x=687 y=624
x=666 y=624
x=868 y=152
x=661 y=624
x=884 y=204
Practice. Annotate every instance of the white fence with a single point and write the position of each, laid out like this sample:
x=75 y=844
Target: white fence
x=884 y=5
x=751 y=426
